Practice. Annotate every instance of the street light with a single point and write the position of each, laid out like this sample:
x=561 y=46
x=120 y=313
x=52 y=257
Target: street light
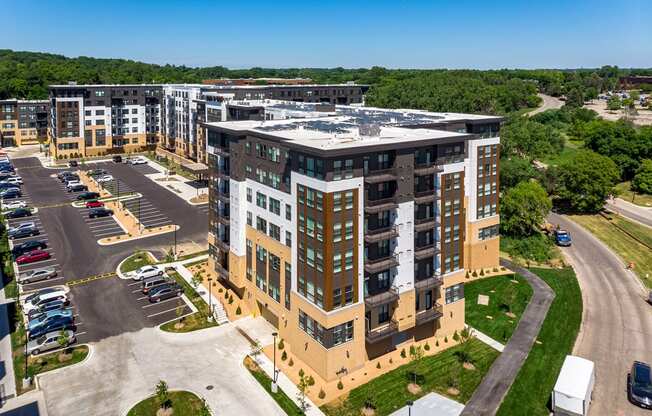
x=274 y=334
x=210 y=298
x=409 y=405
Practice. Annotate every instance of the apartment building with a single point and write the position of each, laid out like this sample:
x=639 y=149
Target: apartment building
x=92 y=120
x=258 y=81
x=352 y=232
x=23 y=122
x=188 y=105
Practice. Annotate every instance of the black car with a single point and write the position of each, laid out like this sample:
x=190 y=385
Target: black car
x=78 y=188
x=62 y=322
x=117 y=159
x=639 y=385
x=11 y=194
x=73 y=164
x=27 y=246
x=99 y=212
x=165 y=291
x=86 y=196
x=19 y=213
x=97 y=172
x=6 y=185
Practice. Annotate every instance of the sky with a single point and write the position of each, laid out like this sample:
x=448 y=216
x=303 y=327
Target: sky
x=479 y=34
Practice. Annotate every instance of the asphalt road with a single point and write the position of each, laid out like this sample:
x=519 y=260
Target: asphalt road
x=631 y=211
x=549 y=103
x=616 y=322
x=496 y=383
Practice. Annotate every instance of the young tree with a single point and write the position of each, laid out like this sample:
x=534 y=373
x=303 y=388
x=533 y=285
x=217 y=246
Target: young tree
x=63 y=340
x=614 y=103
x=586 y=179
x=162 y=394
x=523 y=209
x=416 y=359
x=196 y=280
x=303 y=391
x=642 y=181
x=464 y=353
x=256 y=349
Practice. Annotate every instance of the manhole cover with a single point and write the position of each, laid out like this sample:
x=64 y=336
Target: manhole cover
x=209 y=387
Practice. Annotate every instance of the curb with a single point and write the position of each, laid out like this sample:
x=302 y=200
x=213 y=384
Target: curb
x=120 y=274
x=126 y=412
x=110 y=243
x=91 y=352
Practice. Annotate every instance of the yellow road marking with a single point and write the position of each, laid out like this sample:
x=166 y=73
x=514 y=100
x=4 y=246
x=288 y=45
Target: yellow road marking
x=90 y=279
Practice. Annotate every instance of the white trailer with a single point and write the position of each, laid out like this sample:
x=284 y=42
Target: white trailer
x=572 y=393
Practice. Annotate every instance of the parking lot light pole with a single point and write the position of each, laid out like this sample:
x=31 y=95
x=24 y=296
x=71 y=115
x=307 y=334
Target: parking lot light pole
x=274 y=389
x=175 y=242
x=409 y=406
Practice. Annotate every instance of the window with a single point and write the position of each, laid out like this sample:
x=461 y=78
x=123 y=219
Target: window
x=249 y=219
x=310 y=227
x=261 y=200
x=302 y=223
x=488 y=232
x=454 y=293
x=342 y=333
x=383 y=314
x=383 y=279
x=261 y=225
x=349 y=260
x=288 y=212
x=275 y=231
x=337 y=201
x=310 y=257
x=275 y=206
x=447 y=208
x=349 y=199
x=275 y=262
x=457 y=180
x=337 y=297
x=249 y=195
x=288 y=239
x=348 y=294
x=337 y=263
x=349 y=229
x=337 y=232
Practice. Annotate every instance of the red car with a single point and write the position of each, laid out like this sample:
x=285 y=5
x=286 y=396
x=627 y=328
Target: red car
x=33 y=256
x=94 y=204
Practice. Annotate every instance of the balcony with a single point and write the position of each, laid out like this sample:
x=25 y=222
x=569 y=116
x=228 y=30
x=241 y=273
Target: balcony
x=224 y=245
x=384 y=233
x=391 y=295
x=382 y=203
x=427 y=169
x=381 y=175
x=423 y=224
x=427 y=195
x=380 y=333
x=223 y=272
x=428 y=283
x=423 y=252
x=381 y=263
x=221 y=151
x=223 y=219
x=428 y=315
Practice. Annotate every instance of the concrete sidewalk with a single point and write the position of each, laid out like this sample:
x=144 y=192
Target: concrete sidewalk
x=7 y=379
x=487 y=339
x=432 y=404
x=494 y=386
x=177 y=185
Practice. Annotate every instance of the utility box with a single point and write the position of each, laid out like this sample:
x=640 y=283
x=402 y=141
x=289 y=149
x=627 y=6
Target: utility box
x=571 y=395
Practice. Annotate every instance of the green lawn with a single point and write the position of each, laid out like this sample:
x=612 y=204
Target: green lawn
x=530 y=393
x=389 y=391
x=135 y=262
x=625 y=192
x=197 y=320
x=184 y=403
x=288 y=406
x=627 y=248
x=501 y=290
x=567 y=152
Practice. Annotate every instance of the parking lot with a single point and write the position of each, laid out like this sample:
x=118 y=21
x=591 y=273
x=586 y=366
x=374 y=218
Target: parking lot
x=105 y=305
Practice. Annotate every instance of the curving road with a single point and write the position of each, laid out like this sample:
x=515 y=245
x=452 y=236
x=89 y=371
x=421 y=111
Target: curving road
x=549 y=103
x=616 y=323
x=628 y=210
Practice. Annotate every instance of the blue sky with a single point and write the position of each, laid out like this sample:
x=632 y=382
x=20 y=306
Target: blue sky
x=406 y=34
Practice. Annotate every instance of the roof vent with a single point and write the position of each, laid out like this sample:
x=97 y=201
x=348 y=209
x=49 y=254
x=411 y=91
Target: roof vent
x=369 y=129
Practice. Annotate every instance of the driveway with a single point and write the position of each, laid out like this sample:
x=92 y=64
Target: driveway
x=616 y=322
x=549 y=103
x=496 y=383
x=628 y=210
x=125 y=369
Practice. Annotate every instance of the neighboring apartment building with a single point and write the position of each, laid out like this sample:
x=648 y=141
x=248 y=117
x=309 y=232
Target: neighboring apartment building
x=23 y=122
x=258 y=81
x=352 y=233
x=92 y=120
x=188 y=105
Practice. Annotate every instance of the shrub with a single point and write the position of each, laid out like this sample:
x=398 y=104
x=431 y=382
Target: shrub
x=467 y=274
x=230 y=299
x=220 y=290
x=291 y=362
x=456 y=336
x=426 y=347
x=378 y=365
x=281 y=344
x=284 y=356
x=495 y=270
x=238 y=311
x=311 y=381
x=391 y=361
x=340 y=386
x=322 y=394
x=301 y=373
x=412 y=350
x=403 y=353
x=437 y=343
x=481 y=272
x=537 y=247
x=475 y=274
x=446 y=339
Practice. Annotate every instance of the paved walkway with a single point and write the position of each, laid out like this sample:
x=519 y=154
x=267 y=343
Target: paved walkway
x=432 y=404
x=7 y=380
x=487 y=339
x=178 y=185
x=490 y=393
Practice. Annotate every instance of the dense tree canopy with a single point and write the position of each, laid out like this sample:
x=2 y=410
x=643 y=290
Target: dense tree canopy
x=585 y=180
x=523 y=209
x=514 y=170
x=642 y=181
x=528 y=138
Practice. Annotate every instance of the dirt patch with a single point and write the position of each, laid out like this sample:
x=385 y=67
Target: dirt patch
x=453 y=391
x=165 y=412
x=468 y=366
x=367 y=411
x=63 y=357
x=200 y=198
x=414 y=388
x=510 y=314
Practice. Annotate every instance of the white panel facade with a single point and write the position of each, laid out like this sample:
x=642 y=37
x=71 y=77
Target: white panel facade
x=403 y=245
x=238 y=217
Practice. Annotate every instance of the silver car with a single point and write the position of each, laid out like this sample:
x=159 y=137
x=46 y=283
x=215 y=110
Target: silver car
x=49 y=341
x=37 y=275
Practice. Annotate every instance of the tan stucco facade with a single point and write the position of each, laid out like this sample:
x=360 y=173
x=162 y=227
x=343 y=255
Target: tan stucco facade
x=481 y=254
x=136 y=143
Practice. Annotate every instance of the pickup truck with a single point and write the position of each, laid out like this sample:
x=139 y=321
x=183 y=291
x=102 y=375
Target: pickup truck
x=562 y=238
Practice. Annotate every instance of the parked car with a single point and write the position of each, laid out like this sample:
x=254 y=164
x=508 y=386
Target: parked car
x=138 y=160
x=562 y=238
x=72 y=182
x=146 y=272
x=151 y=282
x=61 y=323
x=37 y=275
x=31 y=245
x=39 y=298
x=19 y=213
x=73 y=164
x=117 y=159
x=15 y=180
x=97 y=172
x=67 y=177
x=164 y=292
x=78 y=188
x=33 y=257
x=94 y=204
x=99 y=212
x=63 y=173
x=11 y=193
x=46 y=307
x=85 y=196
x=639 y=385
x=13 y=205
x=6 y=185
x=24 y=229
x=49 y=341
x=104 y=179
x=48 y=317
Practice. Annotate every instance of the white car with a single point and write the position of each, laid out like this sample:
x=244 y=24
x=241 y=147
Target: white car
x=14 y=180
x=33 y=302
x=105 y=178
x=72 y=183
x=147 y=271
x=11 y=205
x=138 y=160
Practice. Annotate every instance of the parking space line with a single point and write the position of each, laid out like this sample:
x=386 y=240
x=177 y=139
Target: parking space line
x=161 y=302
x=44 y=281
x=155 y=223
x=166 y=311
